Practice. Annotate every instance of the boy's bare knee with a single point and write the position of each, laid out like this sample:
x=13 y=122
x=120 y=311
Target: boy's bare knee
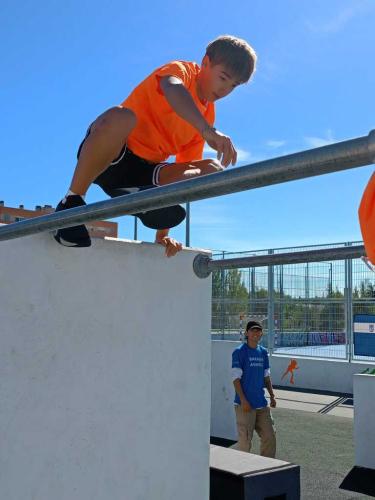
x=117 y=118
x=127 y=116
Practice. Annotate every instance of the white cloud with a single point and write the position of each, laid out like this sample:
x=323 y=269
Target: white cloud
x=275 y=144
x=317 y=142
x=242 y=155
x=340 y=19
x=335 y=24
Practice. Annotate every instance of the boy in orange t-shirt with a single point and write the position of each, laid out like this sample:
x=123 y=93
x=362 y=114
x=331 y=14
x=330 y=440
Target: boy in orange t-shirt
x=171 y=112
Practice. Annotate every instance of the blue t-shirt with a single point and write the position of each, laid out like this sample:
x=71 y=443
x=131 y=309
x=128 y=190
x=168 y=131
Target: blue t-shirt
x=253 y=363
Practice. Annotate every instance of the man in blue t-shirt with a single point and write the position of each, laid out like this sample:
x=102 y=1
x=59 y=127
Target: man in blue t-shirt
x=251 y=373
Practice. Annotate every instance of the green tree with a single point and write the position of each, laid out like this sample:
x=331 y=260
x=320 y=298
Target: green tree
x=230 y=298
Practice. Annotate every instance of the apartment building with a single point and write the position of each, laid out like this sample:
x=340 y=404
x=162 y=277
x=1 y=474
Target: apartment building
x=97 y=229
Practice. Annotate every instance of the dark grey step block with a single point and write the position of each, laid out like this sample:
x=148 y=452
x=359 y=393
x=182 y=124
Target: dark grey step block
x=235 y=475
x=360 y=480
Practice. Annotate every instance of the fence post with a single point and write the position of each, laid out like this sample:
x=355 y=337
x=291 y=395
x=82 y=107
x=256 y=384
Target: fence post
x=349 y=306
x=307 y=300
x=252 y=291
x=222 y=303
x=271 y=308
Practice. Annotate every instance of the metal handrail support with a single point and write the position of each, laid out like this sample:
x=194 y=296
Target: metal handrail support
x=203 y=265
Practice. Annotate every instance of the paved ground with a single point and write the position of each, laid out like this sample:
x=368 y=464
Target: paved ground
x=338 y=405
x=322 y=445
x=315 y=431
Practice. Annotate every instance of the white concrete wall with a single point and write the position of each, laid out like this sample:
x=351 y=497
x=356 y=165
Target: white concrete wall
x=364 y=412
x=104 y=373
x=315 y=374
x=223 y=423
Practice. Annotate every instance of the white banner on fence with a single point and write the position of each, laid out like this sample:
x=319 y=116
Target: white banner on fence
x=364 y=327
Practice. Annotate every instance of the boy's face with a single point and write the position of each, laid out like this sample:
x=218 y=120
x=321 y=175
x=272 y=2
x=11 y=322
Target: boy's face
x=216 y=81
x=254 y=334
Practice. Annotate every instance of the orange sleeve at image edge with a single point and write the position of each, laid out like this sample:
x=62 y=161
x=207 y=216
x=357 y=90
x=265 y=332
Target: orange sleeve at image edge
x=366 y=214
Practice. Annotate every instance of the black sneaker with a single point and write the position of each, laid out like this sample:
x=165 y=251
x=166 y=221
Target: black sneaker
x=76 y=236
x=163 y=218
x=160 y=218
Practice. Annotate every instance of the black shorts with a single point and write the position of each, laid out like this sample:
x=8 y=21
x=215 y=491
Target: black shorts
x=127 y=170
x=129 y=173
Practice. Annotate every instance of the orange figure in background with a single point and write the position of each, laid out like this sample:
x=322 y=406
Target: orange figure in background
x=366 y=214
x=293 y=365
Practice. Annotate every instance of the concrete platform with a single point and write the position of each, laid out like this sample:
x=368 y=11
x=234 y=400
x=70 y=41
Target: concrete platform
x=243 y=476
x=360 y=480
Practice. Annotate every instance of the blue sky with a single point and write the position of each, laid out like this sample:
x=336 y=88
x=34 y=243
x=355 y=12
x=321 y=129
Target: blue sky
x=63 y=63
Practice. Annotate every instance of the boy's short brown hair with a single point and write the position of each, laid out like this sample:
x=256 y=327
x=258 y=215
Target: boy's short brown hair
x=236 y=54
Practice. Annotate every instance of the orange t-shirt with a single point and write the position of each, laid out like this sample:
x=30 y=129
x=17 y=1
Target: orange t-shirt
x=366 y=214
x=160 y=132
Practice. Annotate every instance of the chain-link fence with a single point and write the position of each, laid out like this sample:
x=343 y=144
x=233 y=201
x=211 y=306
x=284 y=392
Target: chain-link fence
x=306 y=309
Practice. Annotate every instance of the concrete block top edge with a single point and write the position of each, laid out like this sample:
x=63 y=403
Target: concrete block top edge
x=242 y=463
x=139 y=242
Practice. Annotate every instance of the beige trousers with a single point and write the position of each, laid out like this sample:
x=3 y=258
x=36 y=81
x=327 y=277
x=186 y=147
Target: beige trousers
x=260 y=420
